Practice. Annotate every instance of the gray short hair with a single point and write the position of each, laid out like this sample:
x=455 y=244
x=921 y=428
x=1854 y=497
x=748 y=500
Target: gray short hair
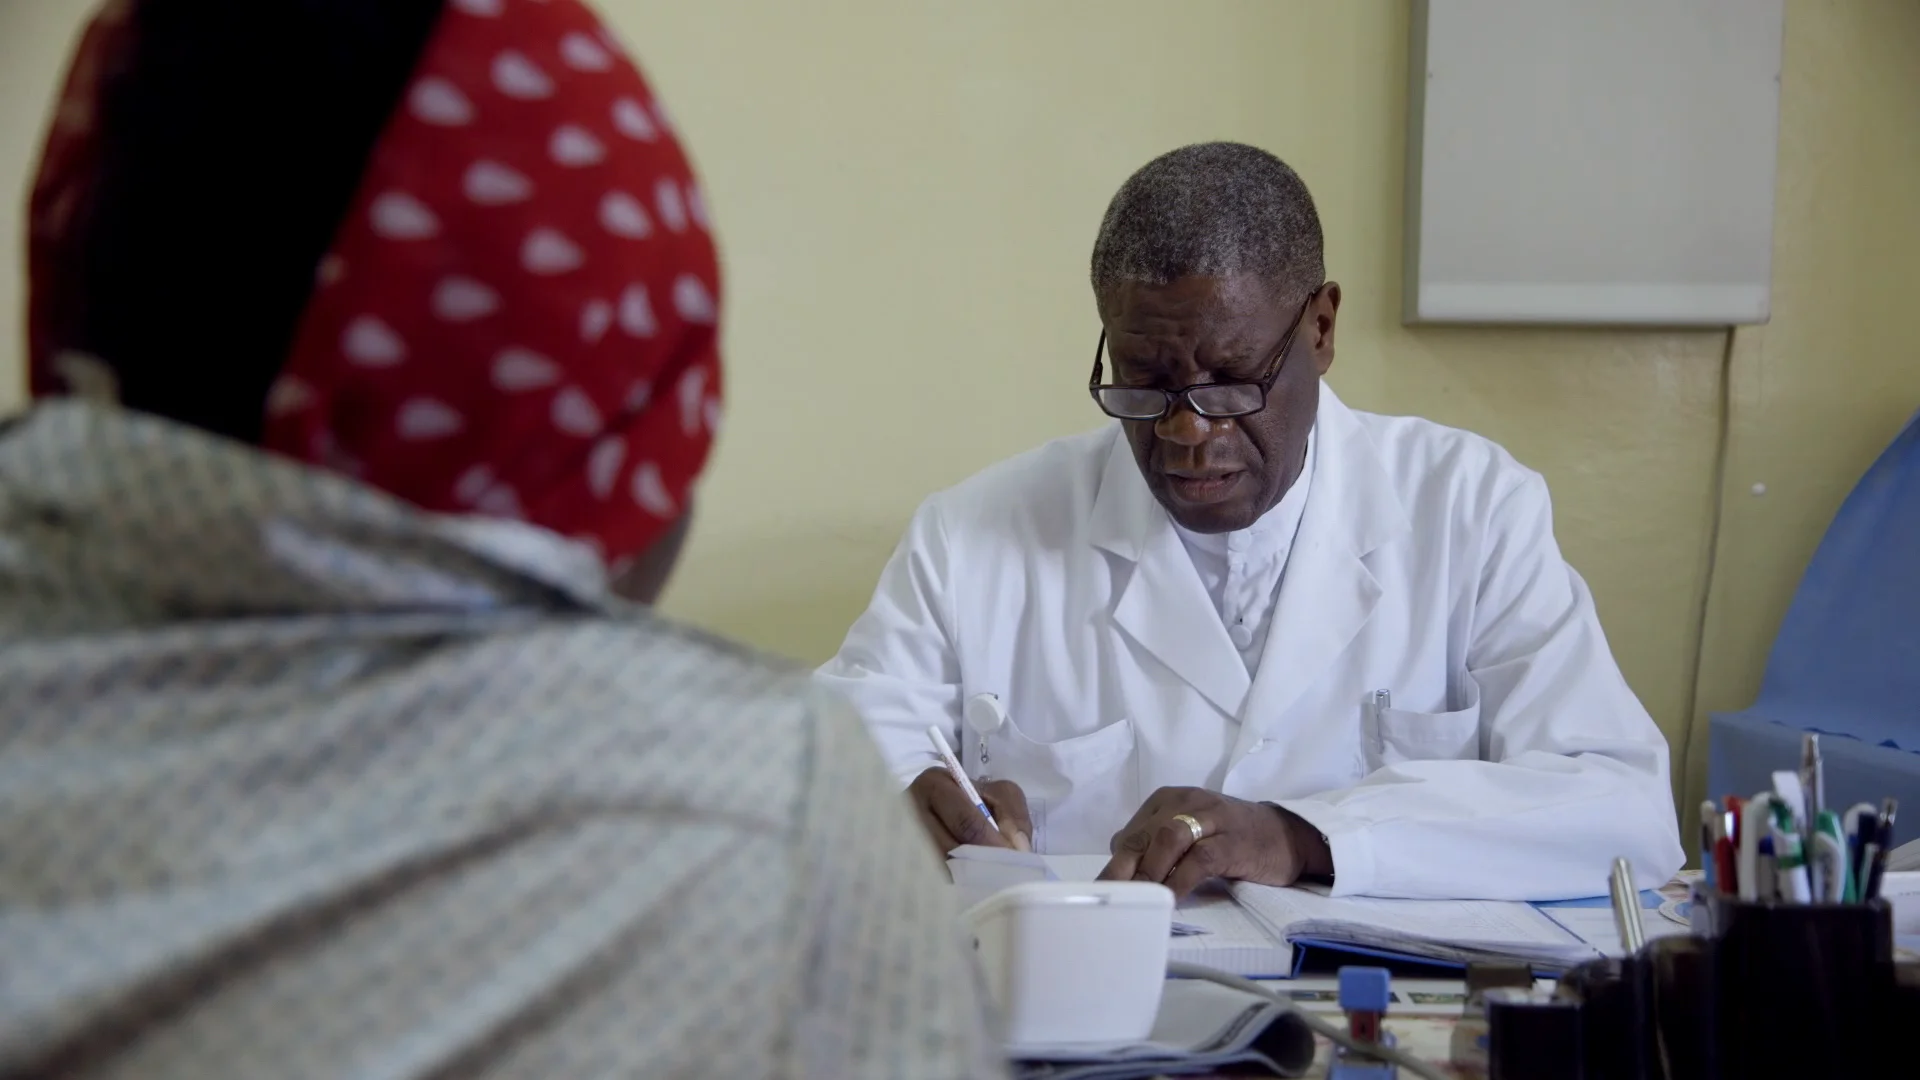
x=1214 y=209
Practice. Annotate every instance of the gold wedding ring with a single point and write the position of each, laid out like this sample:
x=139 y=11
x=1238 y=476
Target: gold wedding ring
x=1193 y=825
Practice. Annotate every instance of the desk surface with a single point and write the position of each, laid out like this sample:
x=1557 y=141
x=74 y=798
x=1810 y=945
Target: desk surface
x=1428 y=1038
x=1423 y=1027
x=1425 y=1010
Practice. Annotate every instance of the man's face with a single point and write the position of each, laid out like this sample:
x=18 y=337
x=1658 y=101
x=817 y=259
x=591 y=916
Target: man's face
x=1219 y=475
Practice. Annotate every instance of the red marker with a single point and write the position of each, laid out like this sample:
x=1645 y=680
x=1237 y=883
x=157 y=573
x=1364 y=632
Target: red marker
x=1735 y=812
x=1725 y=866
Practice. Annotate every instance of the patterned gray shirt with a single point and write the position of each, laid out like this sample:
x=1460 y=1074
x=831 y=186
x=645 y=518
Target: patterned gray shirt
x=296 y=781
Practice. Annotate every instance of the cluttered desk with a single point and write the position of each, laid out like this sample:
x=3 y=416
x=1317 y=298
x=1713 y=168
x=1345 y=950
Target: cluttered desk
x=1802 y=919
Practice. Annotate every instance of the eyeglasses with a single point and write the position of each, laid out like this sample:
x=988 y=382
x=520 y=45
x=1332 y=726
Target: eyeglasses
x=1214 y=400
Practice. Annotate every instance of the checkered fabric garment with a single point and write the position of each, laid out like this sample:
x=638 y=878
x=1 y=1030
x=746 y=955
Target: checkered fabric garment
x=297 y=782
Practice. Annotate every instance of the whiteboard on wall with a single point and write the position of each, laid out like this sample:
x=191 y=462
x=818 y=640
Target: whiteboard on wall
x=1592 y=161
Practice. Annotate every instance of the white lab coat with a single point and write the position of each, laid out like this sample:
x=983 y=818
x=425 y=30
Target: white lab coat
x=1513 y=763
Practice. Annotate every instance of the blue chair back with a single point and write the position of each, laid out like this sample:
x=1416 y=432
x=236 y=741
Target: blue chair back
x=1847 y=660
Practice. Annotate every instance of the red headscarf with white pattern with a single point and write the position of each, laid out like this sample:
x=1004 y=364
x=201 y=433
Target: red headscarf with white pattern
x=517 y=315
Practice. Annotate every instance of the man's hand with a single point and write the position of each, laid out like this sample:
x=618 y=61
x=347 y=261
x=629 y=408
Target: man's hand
x=1245 y=841
x=952 y=820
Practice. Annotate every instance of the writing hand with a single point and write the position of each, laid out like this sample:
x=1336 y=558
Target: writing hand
x=951 y=819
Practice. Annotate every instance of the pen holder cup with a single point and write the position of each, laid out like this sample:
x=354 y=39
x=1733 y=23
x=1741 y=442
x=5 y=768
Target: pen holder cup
x=1676 y=975
x=1646 y=1016
x=1797 y=990
x=1614 y=1017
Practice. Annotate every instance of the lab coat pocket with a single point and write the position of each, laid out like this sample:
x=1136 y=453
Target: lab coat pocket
x=1074 y=787
x=1403 y=735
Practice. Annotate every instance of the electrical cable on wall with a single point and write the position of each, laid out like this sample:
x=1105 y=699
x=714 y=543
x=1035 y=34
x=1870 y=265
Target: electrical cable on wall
x=1724 y=424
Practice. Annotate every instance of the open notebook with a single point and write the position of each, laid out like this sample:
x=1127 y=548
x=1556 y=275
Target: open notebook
x=1255 y=930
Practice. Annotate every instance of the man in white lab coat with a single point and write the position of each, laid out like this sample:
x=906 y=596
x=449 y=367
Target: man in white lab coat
x=1246 y=631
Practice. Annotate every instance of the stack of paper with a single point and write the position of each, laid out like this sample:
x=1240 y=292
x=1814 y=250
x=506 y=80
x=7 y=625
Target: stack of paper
x=1902 y=892
x=1450 y=931
x=1596 y=926
x=1201 y=1028
x=979 y=872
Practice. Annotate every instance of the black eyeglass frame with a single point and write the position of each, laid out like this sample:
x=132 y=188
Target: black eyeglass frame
x=1184 y=395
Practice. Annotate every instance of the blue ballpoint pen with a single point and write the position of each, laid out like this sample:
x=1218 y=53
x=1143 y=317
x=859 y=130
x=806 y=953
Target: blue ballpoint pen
x=1874 y=856
x=1857 y=825
x=945 y=750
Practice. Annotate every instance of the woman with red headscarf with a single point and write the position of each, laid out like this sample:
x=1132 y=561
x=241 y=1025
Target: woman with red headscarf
x=461 y=258
x=376 y=343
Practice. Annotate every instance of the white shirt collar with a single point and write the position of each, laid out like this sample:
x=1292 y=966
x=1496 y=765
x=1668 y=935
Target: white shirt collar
x=1241 y=570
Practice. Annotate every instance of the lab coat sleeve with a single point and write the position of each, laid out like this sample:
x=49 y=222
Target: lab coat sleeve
x=898 y=667
x=1574 y=773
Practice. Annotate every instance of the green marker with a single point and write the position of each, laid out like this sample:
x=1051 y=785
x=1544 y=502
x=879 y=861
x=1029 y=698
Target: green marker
x=1832 y=881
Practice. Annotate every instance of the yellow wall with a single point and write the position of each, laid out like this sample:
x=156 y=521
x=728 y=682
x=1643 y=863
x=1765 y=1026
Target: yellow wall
x=1818 y=392
x=906 y=193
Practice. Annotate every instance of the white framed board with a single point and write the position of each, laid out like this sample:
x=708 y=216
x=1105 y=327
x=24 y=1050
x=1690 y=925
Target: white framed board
x=1592 y=162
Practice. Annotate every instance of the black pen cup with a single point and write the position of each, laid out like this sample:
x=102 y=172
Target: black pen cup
x=1797 y=990
x=1676 y=975
x=1615 y=1017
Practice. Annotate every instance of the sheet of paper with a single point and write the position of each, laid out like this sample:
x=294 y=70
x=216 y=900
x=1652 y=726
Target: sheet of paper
x=1482 y=922
x=1902 y=892
x=1201 y=1027
x=1442 y=929
x=1048 y=867
x=976 y=853
x=1900 y=883
x=1077 y=867
x=979 y=872
x=1225 y=922
x=1595 y=926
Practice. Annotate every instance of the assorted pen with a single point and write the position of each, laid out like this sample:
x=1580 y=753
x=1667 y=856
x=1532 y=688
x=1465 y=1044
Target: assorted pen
x=1785 y=845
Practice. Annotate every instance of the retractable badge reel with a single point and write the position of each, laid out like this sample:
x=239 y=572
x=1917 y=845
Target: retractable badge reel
x=984 y=715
